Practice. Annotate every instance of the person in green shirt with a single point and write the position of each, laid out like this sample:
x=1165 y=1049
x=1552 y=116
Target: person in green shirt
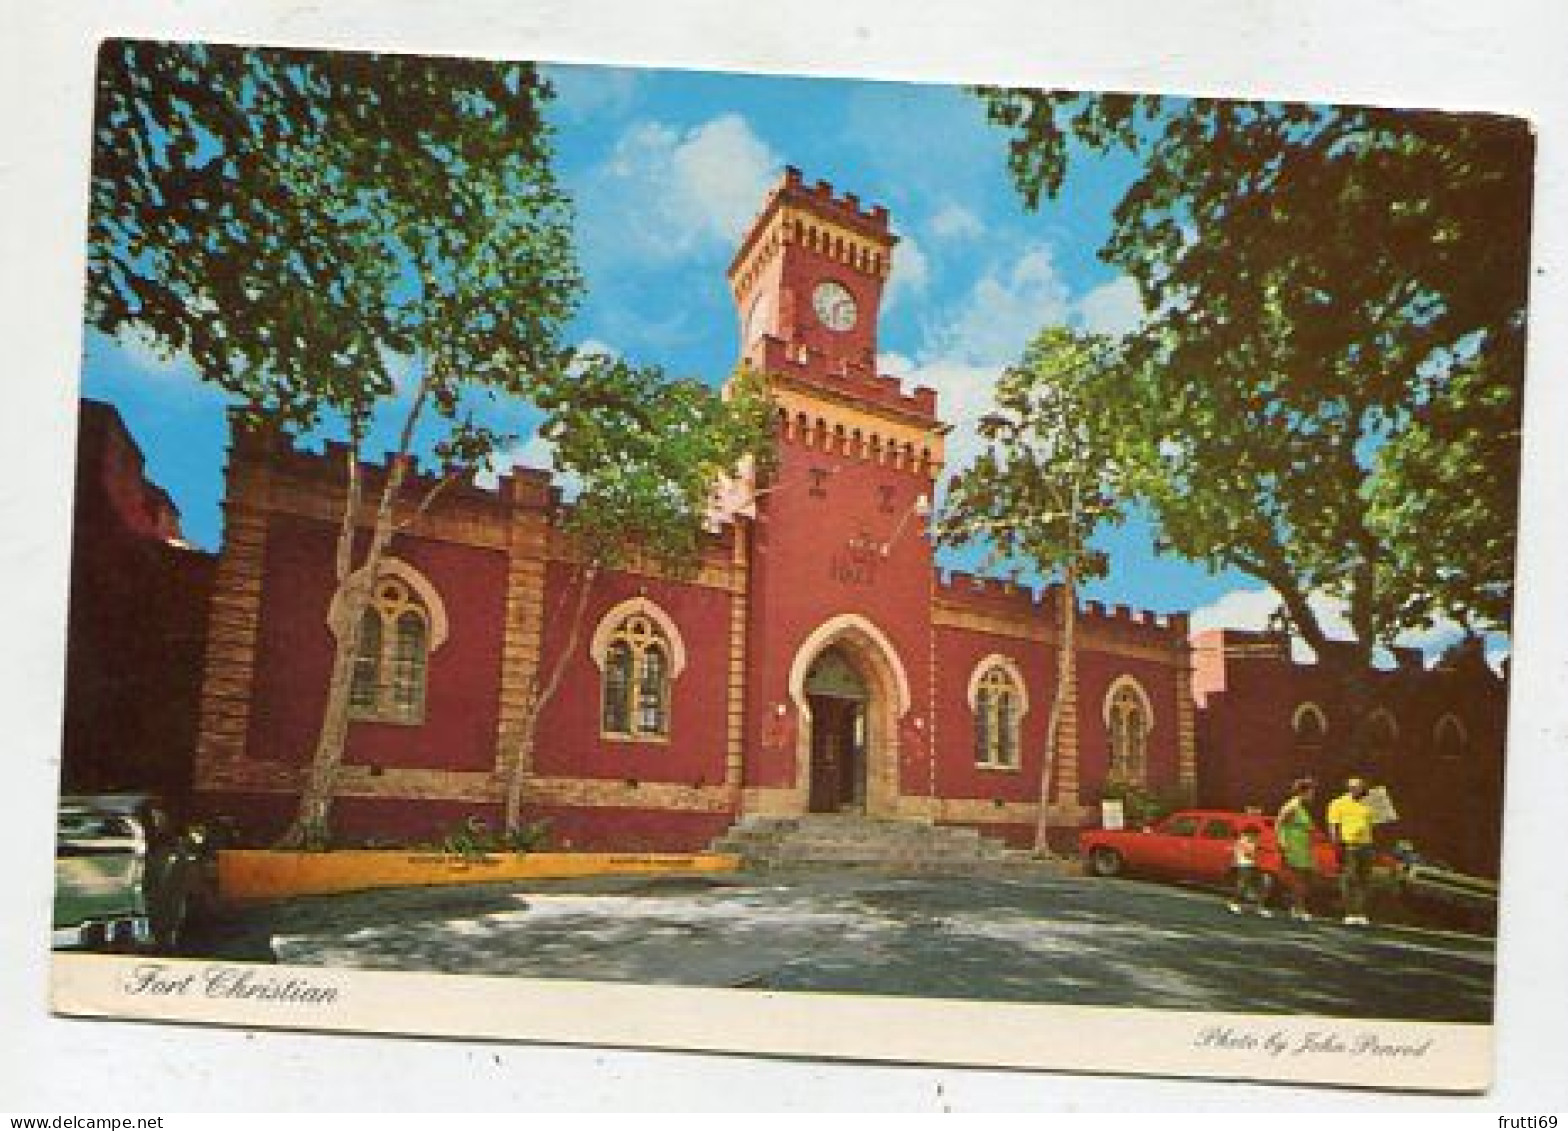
x=1293 y=827
x=1350 y=821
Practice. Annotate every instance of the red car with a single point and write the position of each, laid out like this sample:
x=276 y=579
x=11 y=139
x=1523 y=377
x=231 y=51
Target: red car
x=1193 y=846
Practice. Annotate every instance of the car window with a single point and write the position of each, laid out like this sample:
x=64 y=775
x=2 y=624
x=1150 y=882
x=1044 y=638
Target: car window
x=1219 y=829
x=1180 y=826
x=79 y=826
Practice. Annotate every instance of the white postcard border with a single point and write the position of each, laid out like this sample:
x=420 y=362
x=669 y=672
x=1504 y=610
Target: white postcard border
x=1354 y=1052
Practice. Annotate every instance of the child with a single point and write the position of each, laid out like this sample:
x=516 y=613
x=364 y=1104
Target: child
x=1249 y=877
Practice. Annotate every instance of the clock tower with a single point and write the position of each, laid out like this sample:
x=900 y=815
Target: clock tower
x=809 y=275
x=839 y=631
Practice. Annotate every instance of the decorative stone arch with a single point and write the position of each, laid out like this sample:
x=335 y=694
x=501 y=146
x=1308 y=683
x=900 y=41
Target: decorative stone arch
x=1302 y=713
x=1132 y=762
x=1129 y=682
x=429 y=597
x=1381 y=718
x=604 y=632
x=1014 y=672
x=888 y=701
x=1450 y=723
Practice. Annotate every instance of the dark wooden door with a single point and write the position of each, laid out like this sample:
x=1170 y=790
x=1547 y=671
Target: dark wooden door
x=832 y=759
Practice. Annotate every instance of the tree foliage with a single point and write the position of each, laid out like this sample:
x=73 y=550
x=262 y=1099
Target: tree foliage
x=289 y=220
x=1325 y=390
x=1046 y=480
x=646 y=454
x=1046 y=476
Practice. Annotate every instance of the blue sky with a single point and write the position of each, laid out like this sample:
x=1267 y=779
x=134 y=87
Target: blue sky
x=666 y=168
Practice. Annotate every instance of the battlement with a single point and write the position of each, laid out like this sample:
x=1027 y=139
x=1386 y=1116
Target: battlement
x=822 y=196
x=994 y=594
x=1096 y=622
x=306 y=479
x=280 y=454
x=857 y=379
x=1249 y=644
x=816 y=209
x=1124 y=622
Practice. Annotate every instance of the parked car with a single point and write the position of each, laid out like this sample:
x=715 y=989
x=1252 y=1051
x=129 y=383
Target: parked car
x=126 y=877
x=1196 y=846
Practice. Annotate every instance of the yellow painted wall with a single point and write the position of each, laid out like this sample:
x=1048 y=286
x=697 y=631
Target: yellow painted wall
x=262 y=874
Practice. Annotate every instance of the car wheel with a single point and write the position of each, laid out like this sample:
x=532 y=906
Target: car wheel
x=1106 y=862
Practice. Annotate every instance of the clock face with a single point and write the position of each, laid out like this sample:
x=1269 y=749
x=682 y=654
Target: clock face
x=834 y=305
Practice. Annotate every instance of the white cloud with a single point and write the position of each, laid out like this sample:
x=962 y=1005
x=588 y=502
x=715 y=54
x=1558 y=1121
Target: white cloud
x=1112 y=308
x=593 y=347
x=141 y=349
x=911 y=271
x=1250 y=609
x=590 y=91
x=955 y=222
x=964 y=352
x=535 y=453
x=966 y=349
x=1002 y=312
x=894 y=364
x=664 y=193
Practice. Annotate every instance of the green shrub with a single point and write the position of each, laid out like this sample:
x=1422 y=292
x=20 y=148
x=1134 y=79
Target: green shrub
x=1142 y=805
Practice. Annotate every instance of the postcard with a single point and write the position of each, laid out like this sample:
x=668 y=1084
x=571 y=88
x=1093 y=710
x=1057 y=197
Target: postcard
x=793 y=566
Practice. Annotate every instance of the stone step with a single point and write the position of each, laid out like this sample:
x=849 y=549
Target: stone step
x=832 y=840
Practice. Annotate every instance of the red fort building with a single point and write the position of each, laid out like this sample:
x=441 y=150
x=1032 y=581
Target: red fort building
x=816 y=662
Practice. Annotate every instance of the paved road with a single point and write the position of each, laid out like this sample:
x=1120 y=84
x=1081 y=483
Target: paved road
x=1045 y=939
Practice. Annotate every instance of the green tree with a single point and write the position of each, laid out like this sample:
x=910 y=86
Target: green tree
x=646 y=454
x=1045 y=481
x=1325 y=390
x=291 y=222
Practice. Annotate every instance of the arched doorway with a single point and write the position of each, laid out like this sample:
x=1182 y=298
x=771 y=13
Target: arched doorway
x=850 y=689
x=837 y=697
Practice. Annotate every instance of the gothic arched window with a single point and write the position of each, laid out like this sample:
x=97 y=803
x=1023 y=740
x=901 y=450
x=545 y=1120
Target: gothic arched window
x=636 y=680
x=998 y=706
x=1311 y=728
x=391 y=654
x=1379 y=733
x=1449 y=737
x=1128 y=721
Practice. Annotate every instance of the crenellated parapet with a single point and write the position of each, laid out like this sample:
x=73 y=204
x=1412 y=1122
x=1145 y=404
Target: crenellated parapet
x=1000 y=604
x=1123 y=625
x=795 y=365
x=997 y=596
x=270 y=470
x=816 y=218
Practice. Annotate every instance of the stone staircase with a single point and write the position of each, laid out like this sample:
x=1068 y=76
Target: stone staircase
x=841 y=840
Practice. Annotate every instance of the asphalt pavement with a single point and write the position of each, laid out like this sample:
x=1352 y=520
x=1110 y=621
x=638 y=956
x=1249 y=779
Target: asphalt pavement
x=1044 y=938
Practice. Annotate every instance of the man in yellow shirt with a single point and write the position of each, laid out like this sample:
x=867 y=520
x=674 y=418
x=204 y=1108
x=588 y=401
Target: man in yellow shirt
x=1349 y=820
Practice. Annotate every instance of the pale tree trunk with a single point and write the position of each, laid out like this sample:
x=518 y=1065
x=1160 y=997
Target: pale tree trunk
x=1066 y=673
x=354 y=590
x=537 y=698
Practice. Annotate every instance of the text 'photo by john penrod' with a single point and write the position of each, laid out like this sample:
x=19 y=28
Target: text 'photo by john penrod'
x=620 y=532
